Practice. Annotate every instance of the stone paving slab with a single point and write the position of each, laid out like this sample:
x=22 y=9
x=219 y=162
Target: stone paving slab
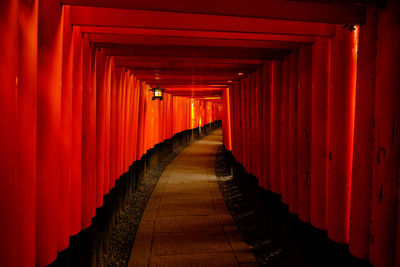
x=226 y=259
x=186 y=222
x=189 y=243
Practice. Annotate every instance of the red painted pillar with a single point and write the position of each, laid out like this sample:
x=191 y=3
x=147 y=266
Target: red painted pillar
x=245 y=124
x=341 y=130
x=253 y=123
x=236 y=115
x=293 y=134
x=126 y=122
x=119 y=122
x=284 y=145
x=260 y=125
x=113 y=124
x=242 y=122
x=118 y=74
x=135 y=117
x=258 y=97
x=88 y=140
x=267 y=121
x=130 y=120
x=48 y=130
x=364 y=136
x=100 y=125
x=304 y=129
x=123 y=120
x=26 y=132
x=385 y=212
x=76 y=142
x=8 y=140
x=64 y=195
x=107 y=124
x=276 y=128
x=141 y=119
x=319 y=142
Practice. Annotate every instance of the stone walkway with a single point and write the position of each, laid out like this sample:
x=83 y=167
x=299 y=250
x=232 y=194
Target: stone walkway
x=186 y=222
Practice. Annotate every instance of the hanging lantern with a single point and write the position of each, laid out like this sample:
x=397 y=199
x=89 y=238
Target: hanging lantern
x=157 y=92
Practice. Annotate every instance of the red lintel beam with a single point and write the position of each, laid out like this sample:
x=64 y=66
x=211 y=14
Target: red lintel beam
x=187 y=41
x=200 y=72
x=277 y=9
x=198 y=88
x=160 y=66
x=189 y=83
x=192 y=77
x=195 y=92
x=196 y=60
x=93 y=16
x=200 y=52
x=195 y=86
x=199 y=34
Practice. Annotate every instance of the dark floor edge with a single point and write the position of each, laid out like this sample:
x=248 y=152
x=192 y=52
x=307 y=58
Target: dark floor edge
x=89 y=246
x=276 y=236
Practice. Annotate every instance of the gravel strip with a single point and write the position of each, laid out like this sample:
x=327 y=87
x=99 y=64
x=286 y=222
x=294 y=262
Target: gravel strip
x=263 y=249
x=123 y=233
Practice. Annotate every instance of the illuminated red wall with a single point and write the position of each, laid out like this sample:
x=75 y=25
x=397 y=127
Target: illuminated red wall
x=324 y=133
x=72 y=124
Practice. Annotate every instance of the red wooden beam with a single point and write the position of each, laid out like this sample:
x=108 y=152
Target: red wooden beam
x=278 y=9
x=211 y=62
x=199 y=34
x=90 y=16
x=189 y=78
x=235 y=73
x=187 y=41
x=193 y=51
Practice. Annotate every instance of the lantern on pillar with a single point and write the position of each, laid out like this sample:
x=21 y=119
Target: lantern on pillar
x=157 y=92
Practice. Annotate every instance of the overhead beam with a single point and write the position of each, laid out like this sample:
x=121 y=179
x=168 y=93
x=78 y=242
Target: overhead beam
x=187 y=41
x=200 y=34
x=186 y=72
x=194 y=87
x=109 y=17
x=194 y=52
x=273 y=9
x=194 y=67
x=195 y=93
x=188 y=82
x=196 y=60
x=366 y=3
x=191 y=77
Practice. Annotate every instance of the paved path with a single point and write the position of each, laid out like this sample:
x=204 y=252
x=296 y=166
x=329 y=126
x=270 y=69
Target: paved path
x=186 y=222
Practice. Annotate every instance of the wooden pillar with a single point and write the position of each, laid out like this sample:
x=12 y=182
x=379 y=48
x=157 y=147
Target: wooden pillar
x=284 y=145
x=363 y=140
x=76 y=167
x=341 y=130
x=88 y=143
x=385 y=213
x=304 y=130
x=26 y=132
x=267 y=121
x=293 y=134
x=100 y=124
x=8 y=122
x=64 y=195
x=107 y=124
x=259 y=123
x=276 y=127
x=48 y=129
x=319 y=142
